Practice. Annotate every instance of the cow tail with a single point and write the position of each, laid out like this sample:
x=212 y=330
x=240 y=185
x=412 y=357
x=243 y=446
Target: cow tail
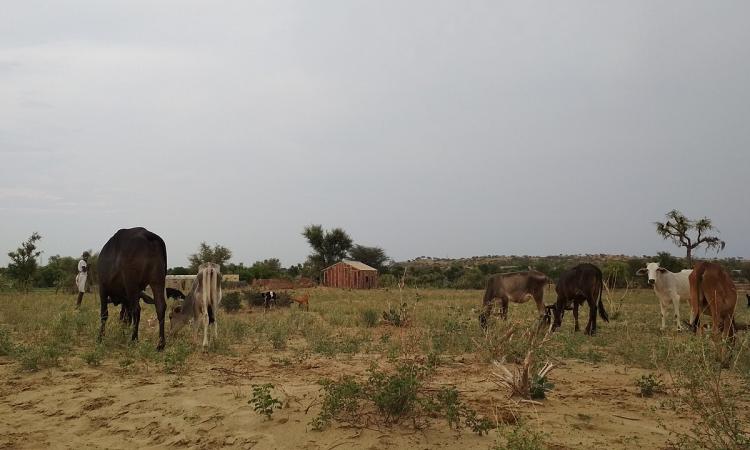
x=206 y=288
x=602 y=312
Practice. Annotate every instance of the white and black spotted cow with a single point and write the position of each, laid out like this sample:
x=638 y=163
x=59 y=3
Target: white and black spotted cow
x=269 y=297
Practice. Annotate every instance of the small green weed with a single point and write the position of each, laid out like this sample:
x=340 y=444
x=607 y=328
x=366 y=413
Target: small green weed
x=94 y=357
x=262 y=400
x=649 y=385
x=539 y=387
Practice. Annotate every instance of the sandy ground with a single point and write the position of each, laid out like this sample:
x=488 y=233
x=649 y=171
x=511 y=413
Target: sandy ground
x=77 y=406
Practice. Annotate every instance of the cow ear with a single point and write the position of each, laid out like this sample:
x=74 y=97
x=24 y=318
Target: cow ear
x=641 y=271
x=661 y=270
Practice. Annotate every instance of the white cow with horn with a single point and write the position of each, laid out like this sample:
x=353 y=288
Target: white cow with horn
x=201 y=304
x=669 y=287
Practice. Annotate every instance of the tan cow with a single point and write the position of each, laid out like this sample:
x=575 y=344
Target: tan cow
x=712 y=291
x=516 y=287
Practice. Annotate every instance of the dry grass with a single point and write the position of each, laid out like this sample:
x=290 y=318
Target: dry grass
x=40 y=330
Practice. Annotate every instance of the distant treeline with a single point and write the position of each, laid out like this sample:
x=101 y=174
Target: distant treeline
x=472 y=273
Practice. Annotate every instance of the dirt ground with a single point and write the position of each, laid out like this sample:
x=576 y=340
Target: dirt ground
x=83 y=407
x=594 y=404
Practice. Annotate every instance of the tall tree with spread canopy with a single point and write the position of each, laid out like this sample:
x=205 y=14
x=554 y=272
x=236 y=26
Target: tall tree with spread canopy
x=329 y=247
x=217 y=254
x=679 y=228
x=374 y=257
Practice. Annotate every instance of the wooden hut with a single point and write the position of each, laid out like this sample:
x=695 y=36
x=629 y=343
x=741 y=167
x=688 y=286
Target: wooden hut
x=350 y=275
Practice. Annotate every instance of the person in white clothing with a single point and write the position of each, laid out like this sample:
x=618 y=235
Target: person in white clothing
x=83 y=270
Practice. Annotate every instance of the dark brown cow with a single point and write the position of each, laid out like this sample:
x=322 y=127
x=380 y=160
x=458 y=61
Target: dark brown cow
x=517 y=287
x=131 y=260
x=582 y=283
x=712 y=291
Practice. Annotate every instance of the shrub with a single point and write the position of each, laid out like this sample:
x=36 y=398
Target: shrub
x=392 y=396
x=397 y=317
x=649 y=384
x=231 y=302
x=522 y=438
x=369 y=317
x=94 y=357
x=6 y=344
x=539 y=387
x=176 y=355
x=262 y=401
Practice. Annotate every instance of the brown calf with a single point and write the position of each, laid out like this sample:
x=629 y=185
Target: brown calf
x=303 y=301
x=712 y=289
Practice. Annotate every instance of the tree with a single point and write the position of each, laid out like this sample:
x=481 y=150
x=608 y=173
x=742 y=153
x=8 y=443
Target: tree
x=268 y=268
x=669 y=262
x=329 y=247
x=678 y=229
x=218 y=254
x=23 y=262
x=59 y=272
x=179 y=270
x=374 y=257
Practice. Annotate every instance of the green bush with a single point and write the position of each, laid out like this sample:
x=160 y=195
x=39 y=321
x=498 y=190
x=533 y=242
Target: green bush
x=231 y=302
x=369 y=317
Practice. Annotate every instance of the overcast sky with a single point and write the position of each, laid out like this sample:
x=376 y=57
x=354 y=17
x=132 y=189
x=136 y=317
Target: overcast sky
x=432 y=128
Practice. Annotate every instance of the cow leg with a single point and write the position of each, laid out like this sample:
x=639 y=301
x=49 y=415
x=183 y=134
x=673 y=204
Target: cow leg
x=676 y=305
x=663 y=304
x=135 y=314
x=212 y=319
x=575 y=316
x=160 y=303
x=591 y=326
x=103 y=314
x=205 y=329
x=486 y=313
x=504 y=307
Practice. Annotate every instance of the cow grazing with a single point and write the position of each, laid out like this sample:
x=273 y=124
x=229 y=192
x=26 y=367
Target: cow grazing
x=174 y=294
x=268 y=298
x=131 y=260
x=713 y=291
x=201 y=304
x=669 y=288
x=582 y=283
x=517 y=287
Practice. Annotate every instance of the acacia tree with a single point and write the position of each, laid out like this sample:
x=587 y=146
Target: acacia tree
x=23 y=262
x=218 y=254
x=374 y=257
x=329 y=247
x=678 y=228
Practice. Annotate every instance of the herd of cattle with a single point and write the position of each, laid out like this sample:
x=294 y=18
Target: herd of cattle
x=135 y=258
x=708 y=287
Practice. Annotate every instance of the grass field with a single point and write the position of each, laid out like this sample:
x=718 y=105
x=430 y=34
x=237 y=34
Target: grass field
x=62 y=389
